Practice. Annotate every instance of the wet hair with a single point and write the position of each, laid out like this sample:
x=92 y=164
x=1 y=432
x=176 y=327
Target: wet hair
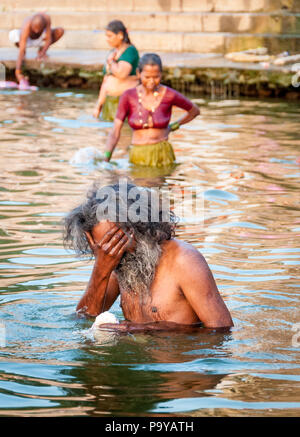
x=117 y=26
x=150 y=59
x=85 y=216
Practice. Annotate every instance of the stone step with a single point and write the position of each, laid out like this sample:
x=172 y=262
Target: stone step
x=171 y=22
x=195 y=42
x=154 y=5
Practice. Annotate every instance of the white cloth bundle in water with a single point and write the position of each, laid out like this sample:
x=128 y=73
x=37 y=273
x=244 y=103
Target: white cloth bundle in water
x=105 y=317
x=104 y=336
x=86 y=155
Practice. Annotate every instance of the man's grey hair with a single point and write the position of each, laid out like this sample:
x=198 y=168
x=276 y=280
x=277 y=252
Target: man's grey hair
x=85 y=216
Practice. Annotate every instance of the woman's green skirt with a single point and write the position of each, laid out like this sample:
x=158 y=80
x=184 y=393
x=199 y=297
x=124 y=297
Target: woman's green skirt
x=109 y=108
x=152 y=155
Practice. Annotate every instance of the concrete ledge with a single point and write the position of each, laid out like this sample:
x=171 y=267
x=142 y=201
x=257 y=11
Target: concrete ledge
x=94 y=60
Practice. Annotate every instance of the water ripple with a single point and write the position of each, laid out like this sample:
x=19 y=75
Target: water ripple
x=243 y=155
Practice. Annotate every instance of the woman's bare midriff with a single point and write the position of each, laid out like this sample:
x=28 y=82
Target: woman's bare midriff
x=116 y=87
x=149 y=136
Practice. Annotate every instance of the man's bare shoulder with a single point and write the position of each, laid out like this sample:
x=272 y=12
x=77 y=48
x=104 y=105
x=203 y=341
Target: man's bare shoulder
x=27 y=22
x=46 y=16
x=26 y=25
x=183 y=253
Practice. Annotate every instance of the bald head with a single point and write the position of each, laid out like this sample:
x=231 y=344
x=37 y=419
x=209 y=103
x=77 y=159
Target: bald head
x=38 y=23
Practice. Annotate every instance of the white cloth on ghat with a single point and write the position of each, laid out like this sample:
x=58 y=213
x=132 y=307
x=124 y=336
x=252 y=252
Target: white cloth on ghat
x=15 y=36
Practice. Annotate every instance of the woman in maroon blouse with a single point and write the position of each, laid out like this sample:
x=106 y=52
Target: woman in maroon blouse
x=148 y=108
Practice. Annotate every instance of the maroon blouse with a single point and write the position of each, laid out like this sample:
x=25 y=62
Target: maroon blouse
x=129 y=107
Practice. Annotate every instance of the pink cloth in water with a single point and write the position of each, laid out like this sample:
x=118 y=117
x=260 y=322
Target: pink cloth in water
x=24 y=85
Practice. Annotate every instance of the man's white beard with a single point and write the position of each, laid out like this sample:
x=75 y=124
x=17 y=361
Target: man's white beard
x=136 y=270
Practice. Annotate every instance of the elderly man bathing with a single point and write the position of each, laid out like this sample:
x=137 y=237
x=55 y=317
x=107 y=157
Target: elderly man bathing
x=35 y=32
x=163 y=282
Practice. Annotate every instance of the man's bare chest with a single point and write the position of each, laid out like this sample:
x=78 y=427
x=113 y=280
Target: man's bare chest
x=157 y=304
x=34 y=35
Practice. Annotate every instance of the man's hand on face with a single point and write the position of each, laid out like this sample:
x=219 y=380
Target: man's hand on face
x=109 y=250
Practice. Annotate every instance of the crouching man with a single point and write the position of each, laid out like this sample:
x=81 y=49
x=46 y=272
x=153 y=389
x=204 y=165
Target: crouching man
x=36 y=32
x=163 y=282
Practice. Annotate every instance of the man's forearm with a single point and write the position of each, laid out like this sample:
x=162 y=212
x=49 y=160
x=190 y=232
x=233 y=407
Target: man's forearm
x=46 y=47
x=91 y=303
x=132 y=327
x=20 y=60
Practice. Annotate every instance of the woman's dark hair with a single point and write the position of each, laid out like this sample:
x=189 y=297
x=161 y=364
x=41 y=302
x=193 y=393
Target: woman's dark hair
x=117 y=26
x=150 y=59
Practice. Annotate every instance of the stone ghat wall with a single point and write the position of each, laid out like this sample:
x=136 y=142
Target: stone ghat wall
x=215 y=82
x=199 y=26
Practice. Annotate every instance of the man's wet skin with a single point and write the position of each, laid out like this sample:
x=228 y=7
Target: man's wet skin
x=182 y=294
x=33 y=27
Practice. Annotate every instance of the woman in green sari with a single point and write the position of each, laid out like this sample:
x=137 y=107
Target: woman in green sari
x=119 y=71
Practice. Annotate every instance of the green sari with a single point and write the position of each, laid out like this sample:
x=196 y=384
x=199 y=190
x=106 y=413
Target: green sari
x=152 y=155
x=109 y=109
x=110 y=106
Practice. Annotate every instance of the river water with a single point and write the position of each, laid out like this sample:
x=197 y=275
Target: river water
x=244 y=157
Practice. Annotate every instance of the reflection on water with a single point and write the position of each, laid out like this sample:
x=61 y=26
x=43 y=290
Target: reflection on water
x=244 y=155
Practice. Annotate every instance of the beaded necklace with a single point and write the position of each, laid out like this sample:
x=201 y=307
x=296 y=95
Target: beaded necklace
x=151 y=111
